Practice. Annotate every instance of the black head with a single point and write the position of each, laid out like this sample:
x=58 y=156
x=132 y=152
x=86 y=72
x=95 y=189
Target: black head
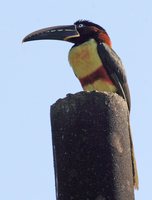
x=87 y=30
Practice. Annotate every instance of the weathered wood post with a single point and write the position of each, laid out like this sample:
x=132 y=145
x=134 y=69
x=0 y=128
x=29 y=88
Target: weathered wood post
x=91 y=147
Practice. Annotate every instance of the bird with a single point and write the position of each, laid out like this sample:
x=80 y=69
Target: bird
x=94 y=62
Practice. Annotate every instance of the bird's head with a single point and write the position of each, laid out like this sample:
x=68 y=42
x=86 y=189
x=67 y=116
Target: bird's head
x=78 y=33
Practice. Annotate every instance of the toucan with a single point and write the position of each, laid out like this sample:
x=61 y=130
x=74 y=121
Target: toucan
x=94 y=62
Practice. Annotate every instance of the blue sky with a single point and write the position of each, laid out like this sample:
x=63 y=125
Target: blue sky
x=34 y=75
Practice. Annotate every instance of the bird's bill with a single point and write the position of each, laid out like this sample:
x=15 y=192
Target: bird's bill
x=53 y=33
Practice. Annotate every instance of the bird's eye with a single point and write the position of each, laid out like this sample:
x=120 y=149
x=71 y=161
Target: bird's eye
x=81 y=25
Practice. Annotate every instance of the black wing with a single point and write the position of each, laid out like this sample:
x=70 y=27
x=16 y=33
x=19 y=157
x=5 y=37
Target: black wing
x=115 y=69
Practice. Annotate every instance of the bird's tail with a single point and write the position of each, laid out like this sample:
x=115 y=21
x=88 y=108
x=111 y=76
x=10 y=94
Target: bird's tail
x=134 y=165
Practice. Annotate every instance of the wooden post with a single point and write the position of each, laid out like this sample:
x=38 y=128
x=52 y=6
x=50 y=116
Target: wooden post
x=91 y=147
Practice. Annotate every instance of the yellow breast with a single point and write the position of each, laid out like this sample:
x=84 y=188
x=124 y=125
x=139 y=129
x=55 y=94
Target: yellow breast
x=88 y=67
x=84 y=58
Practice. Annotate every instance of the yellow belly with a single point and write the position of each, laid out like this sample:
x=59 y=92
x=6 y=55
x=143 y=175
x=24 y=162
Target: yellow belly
x=100 y=85
x=85 y=62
